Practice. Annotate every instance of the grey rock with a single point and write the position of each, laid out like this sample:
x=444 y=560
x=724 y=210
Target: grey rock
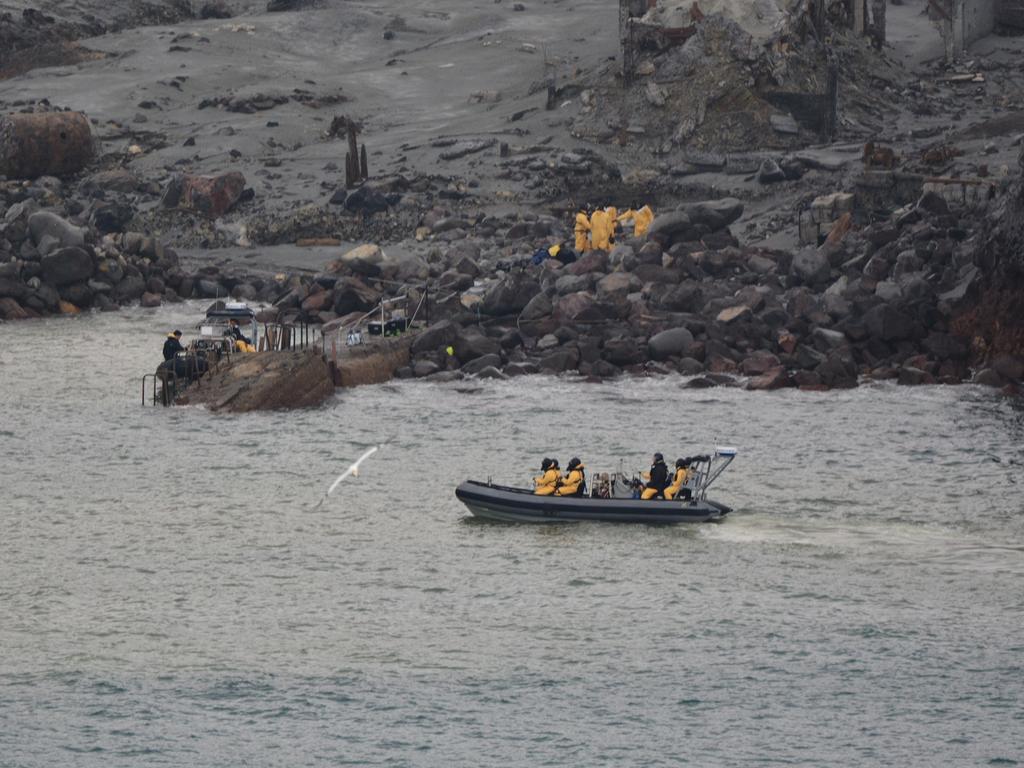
x=670 y=343
x=538 y=307
x=510 y=295
x=67 y=265
x=475 y=366
x=810 y=266
x=45 y=223
x=437 y=336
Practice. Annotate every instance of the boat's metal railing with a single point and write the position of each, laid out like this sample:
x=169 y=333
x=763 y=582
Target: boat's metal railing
x=713 y=466
x=281 y=337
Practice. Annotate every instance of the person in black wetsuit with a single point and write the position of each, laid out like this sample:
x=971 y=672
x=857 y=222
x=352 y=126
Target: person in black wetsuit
x=658 y=478
x=173 y=345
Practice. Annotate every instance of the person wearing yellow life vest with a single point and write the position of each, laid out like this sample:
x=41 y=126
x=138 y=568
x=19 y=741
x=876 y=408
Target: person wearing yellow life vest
x=601 y=229
x=573 y=484
x=682 y=474
x=582 y=231
x=548 y=481
x=242 y=343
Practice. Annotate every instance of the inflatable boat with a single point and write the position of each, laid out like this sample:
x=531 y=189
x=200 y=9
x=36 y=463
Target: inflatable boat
x=610 y=497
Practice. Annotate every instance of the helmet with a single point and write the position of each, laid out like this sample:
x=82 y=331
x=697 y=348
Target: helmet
x=574 y=462
x=680 y=463
x=658 y=457
x=545 y=464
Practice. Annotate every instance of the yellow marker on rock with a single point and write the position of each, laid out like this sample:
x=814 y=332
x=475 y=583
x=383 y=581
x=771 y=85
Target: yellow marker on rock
x=450 y=351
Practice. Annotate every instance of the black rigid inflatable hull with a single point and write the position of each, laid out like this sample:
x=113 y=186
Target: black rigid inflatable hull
x=498 y=502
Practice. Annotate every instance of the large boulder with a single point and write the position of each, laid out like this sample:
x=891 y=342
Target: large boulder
x=670 y=226
x=437 y=336
x=887 y=323
x=617 y=286
x=674 y=342
x=353 y=295
x=66 y=266
x=774 y=378
x=685 y=297
x=539 y=307
x=714 y=214
x=622 y=352
x=592 y=261
x=367 y=259
x=211 y=196
x=129 y=289
x=471 y=344
x=560 y=360
x=13 y=289
x=49 y=232
x=580 y=308
x=366 y=200
x=510 y=295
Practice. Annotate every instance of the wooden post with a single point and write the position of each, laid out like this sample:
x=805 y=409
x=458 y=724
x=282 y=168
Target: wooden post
x=364 y=166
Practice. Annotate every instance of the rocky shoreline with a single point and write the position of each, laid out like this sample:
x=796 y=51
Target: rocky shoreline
x=903 y=267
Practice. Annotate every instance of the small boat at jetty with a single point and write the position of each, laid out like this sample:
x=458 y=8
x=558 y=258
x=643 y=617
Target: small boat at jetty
x=612 y=498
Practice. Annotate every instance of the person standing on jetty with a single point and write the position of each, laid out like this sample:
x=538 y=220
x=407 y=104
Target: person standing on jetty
x=173 y=345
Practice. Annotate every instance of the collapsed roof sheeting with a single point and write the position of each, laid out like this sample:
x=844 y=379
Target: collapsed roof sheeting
x=763 y=20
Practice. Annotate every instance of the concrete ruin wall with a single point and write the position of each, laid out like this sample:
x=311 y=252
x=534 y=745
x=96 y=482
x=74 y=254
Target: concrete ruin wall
x=977 y=19
x=1010 y=13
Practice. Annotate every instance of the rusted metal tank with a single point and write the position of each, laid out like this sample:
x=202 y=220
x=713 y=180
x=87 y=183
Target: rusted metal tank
x=44 y=144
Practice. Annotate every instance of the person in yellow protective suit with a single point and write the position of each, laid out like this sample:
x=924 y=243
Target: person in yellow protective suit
x=573 y=483
x=682 y=474
x=547 y=483
x=601 y=228
x=613 y=222
x=582 y=231
x=642 y=221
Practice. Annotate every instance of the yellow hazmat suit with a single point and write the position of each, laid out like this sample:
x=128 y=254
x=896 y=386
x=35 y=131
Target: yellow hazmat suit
x=601 y=228
x=241 y=346
x=571 y=483
x=642 y=221
x=582 y=231
x=546 y=483
x=677 y=482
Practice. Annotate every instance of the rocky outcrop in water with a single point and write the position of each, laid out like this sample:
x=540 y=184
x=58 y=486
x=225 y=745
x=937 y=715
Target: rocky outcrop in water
x=262 y=381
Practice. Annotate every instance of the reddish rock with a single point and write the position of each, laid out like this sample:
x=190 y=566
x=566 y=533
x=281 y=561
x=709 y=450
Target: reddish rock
x=12 y=310
x=787 y=342
x=774 y=378
x=719 y=364
x=151 y=300
x=759 y=364
x=211 y=196
x=318 y=302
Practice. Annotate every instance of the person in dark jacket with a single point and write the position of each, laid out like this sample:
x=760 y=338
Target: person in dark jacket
x=657 y=478
x=236 y=332
x=173 y=345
